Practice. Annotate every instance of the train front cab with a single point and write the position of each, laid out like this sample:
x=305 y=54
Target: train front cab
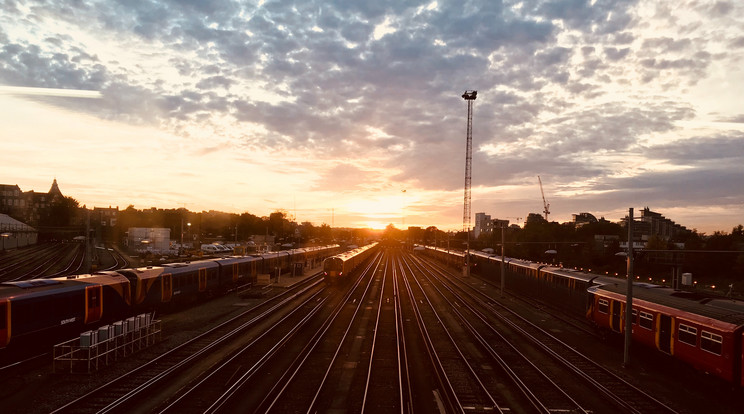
x=332 y=269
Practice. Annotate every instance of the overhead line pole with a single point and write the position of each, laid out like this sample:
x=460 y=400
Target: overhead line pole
x=629 y=293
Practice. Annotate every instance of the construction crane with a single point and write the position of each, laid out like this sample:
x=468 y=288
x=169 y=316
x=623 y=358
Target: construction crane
x=545 y=203
x=469 y=96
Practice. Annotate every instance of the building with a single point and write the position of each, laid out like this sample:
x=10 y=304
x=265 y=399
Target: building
x=14 y=234
x=27 y=206
x=482 y=224
x=654 y=224
x=105 y=217
x=12 y=202
x=156 y=240
x=582 y=219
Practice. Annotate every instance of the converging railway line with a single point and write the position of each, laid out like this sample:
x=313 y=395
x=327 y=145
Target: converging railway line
x=54 y=260
x=173 y=379
x=380 y=330
x=551 y=374
x=47 y=260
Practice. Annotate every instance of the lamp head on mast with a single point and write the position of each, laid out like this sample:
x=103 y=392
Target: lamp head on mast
x=469 y=95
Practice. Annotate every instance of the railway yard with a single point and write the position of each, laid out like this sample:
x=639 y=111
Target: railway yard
x=402 y=333
x=54 y=259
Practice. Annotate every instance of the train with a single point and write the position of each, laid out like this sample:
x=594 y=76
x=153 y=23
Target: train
x=340 y=266
x=45 y=311
x=703 y=331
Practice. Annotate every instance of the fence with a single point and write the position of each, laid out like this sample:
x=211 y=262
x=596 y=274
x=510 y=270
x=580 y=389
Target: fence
x=107 y=344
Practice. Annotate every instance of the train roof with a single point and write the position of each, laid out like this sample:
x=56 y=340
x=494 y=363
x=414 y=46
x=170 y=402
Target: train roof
x=720 y=309
x=354 y=252
x=33 y=286
x=443 y=250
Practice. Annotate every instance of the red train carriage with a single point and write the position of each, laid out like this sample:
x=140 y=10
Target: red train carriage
x=705 y=333
x=192 y=281
x=41 y=310
x=238 y=270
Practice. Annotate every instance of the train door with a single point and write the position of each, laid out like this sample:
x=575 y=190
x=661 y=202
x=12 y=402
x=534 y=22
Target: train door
x=202 y=279
x=617 y=312
x=235 y=271
x=254 y=270
x=4 y=322
x=664 y=333
x=166 y=287
x=93 y=303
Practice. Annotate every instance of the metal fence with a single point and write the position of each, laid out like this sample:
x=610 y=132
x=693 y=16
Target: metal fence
x=107 y=344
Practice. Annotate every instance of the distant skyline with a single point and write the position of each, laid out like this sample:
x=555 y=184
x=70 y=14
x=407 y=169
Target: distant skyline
x=350 y=113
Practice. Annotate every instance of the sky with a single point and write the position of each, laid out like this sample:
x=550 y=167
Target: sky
x=350 y=113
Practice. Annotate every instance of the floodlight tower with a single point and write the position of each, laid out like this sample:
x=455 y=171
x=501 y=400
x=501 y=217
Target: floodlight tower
x=469 y=96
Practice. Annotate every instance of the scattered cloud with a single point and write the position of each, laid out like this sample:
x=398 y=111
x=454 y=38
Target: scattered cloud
x=601 y=93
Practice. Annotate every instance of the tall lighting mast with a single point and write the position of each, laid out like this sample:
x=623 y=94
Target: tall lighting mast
x=469 y=96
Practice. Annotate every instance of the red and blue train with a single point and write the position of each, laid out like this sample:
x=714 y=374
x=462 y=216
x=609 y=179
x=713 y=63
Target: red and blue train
x=46 y=311
x=704 y=331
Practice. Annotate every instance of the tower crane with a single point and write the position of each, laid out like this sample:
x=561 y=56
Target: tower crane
x=546 y=205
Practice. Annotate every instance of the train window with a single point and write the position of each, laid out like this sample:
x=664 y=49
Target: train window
x=603 y=306
x=711 y=342
x=687 y=334
x=635 y=317
x=647 y=320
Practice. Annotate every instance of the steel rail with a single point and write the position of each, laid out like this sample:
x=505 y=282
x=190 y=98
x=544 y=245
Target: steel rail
x=568 y=351
x=239 y=382
x=277 y=391
x=379 y=316
x=483 y=389
x=280 y=299
x=526 y=390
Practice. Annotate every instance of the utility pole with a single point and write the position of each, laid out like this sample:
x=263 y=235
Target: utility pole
x=629 y=294
x=88 y=250
x=503 y=259
x=469 y=96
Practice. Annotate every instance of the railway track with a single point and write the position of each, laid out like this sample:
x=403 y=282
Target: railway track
x=403 y=336
x=620 y=392
x=465 y=386
x=43 y=261
x=222 y=381
x=336 y=352
x=138 y=386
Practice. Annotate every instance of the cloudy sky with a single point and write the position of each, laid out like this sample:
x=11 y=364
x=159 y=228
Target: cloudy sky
x=350 y=112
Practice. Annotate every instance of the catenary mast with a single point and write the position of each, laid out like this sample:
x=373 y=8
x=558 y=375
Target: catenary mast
x=469 y=96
